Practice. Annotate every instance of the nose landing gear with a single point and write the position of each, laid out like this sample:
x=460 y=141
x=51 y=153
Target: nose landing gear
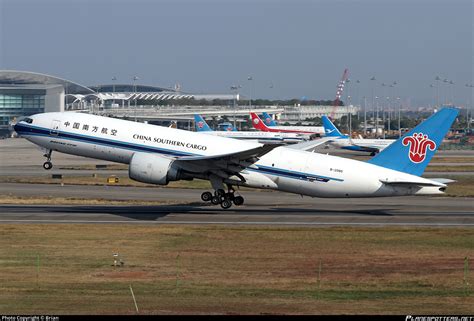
x=48 y=165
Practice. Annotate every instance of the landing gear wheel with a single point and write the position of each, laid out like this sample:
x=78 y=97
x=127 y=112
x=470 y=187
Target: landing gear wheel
x=238 y=200
x=47 y=165
x=226 y=204
x=206 y=196
x=215 y=200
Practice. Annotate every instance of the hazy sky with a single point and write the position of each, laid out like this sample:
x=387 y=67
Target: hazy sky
x=301 y=47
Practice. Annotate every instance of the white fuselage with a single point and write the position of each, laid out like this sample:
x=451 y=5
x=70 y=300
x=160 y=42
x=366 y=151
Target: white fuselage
x=305 y=129
x=362 y=144
x=284 y=169
x=262 y=137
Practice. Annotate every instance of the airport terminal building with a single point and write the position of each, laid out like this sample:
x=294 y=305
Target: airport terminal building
x=24 y=93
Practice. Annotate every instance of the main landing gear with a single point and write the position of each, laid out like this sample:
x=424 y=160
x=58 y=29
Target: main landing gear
x=224 y=199
x=48 y=165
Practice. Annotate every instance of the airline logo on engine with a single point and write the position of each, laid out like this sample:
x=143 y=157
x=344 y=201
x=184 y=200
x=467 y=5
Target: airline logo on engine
x=419 y=145
x=166 y=141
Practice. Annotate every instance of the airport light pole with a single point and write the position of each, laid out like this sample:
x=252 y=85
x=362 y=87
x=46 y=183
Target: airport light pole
x=383 y=110
x=365 y=116
x=113 y=88
x=376 y=116
x=446 y=81
x=399 y=117
x=235 y=88
x=390 y=106
x=348 y=105
x=468 y=125
x=437 y=78
x=356 y=96
x=373 y=102
x=350 y=115
x=135 y=78
x=432 y=86
x=452 y=92
x=250 y=78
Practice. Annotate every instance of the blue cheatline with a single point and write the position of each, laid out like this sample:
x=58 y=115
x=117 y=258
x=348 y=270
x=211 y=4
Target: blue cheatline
x=414 y=150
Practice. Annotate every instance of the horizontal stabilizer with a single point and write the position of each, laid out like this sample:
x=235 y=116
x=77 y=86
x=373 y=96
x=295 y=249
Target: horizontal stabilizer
x=443 y=180
x=415 y=183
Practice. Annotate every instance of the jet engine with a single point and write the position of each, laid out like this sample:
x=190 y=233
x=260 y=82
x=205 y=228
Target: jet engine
x=153 y=169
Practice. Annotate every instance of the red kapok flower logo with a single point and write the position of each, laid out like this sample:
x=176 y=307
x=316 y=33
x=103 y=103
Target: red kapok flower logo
x=419 y=144
x=200 y=124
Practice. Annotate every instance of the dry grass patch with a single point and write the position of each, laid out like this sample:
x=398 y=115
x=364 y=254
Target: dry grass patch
x=186 y=269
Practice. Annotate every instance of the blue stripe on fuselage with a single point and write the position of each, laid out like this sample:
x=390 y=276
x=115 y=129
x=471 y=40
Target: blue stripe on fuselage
x=31 y=130
x=38 y=131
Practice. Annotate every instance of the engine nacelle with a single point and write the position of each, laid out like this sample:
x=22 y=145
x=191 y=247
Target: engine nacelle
x=152 y=169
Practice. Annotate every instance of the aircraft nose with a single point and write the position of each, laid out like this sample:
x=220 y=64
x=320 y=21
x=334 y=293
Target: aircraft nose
x=16 y=127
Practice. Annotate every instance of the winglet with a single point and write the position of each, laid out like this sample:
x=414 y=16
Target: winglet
x=330 y=130
x=414 y=150
x=200 y=124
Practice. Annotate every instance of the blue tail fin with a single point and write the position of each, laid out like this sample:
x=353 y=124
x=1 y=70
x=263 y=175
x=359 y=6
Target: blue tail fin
x=200 y=124
x=412 y=152
x=268 y=119
x=329 y=129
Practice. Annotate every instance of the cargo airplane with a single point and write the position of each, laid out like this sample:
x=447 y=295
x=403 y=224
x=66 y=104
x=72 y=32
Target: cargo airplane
x=158 y=155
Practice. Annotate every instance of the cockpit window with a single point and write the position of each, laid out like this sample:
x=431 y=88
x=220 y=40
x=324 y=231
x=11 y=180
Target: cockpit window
x=28 y=120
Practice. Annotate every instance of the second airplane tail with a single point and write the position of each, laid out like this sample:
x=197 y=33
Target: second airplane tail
x=268 y=119
x=330 y=130
x=200 y=124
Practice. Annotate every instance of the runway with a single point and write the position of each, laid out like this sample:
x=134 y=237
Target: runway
x=183 y=206
x=261 y=208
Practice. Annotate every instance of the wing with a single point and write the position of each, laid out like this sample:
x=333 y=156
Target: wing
x=224 y=165
x=312 y=144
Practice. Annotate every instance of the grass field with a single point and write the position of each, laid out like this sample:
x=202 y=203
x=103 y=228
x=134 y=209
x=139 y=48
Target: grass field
x=63 y=269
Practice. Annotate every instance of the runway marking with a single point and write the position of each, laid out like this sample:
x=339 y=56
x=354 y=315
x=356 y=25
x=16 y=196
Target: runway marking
x=242 y=223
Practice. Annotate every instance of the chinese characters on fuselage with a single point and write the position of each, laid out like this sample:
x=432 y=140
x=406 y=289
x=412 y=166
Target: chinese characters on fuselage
x=95 y=129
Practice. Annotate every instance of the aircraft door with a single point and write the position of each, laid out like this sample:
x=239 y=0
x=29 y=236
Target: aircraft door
x=55 y=127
